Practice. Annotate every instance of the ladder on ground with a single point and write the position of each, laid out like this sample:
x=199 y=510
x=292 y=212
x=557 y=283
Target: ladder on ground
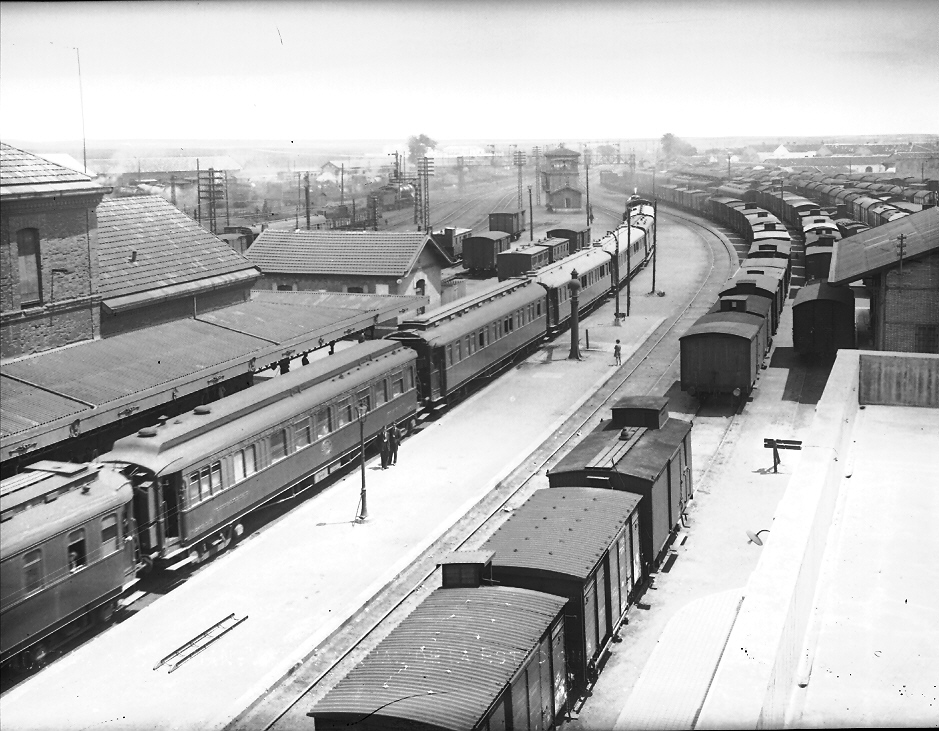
x=198 y=643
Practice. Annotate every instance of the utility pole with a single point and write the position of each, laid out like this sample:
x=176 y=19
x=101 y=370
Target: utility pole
x=728 y=165
x=536 y=151
x=655 y=247
x=307 y=187
x=587 y=170
x=629 y=265
x=342 y=183
x=519 y=160
x=425 y=168
x=461 y=183
x=531 y=218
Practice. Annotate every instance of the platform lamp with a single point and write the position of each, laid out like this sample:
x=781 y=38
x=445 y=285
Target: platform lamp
x=617 y=316
x=362 y=410
x=574 y=286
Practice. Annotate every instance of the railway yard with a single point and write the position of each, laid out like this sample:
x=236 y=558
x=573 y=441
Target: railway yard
x=314 y=585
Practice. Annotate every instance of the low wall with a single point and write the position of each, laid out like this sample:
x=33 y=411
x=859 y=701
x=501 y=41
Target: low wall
x=900 y=379
x=761 y=663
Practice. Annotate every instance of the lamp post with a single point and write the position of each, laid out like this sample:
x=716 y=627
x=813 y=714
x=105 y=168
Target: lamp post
x=363 y=505
x=531 y=217
x=655 y=240
x=629 y=265
x=615 y=273
x=574 y=286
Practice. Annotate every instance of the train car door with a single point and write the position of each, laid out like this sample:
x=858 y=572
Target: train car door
x=145 y=513
x=169 y=496
x=437 y=374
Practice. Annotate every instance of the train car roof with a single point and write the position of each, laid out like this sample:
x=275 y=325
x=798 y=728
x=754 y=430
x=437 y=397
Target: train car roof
x=107 y=490
x=193 y=435
x=491 y=235
x=771 y=247
x=820 y=289
x=559 y=273
x=765 y=282
x=459 y=307
x=736 y=324
x=564 y=530
x=755 y=304
x=479 y=317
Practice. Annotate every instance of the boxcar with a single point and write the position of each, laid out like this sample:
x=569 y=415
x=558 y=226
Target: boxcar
x=480 y=251
x=596 y=564
x=762 y=284
x=468 y=657
x=721 y=354
x=196 y=476
x=67 y=553
x=647 y=457
x=753 y=305
x=453 y=352
x=558 y=248
x=823 y=319
x=578 y=238
x=510 y=222
x=818 y=260
x=522 y=260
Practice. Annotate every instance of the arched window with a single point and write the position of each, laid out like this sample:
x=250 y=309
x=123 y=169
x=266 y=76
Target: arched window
x=27 y=243
x=420 y=287
x=868 y=169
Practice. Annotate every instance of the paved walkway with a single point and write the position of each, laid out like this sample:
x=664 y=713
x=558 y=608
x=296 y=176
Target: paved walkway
x=664 y=699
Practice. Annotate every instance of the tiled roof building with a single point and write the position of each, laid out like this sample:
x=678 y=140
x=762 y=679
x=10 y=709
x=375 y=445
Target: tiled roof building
x=377 y=262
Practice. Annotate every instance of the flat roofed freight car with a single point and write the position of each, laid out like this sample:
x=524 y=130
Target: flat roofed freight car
x=66 y=554
x=196 y=476
x=823 y=319
x=521 y=261
x=649 y=457
x=721 y=354
x=465 y=658
x=510 y=222
x=580 y=543
x=480 y=250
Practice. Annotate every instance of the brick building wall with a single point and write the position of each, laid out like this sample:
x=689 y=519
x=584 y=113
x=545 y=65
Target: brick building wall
x=906 y=307
x=67 y=311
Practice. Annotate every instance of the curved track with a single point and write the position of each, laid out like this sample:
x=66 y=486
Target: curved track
x=286 y=704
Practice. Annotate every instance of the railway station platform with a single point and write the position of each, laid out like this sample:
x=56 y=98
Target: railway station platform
x=301 y=578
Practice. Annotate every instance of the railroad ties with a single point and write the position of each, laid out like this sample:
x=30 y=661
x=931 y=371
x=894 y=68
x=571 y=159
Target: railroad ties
x=197 y=644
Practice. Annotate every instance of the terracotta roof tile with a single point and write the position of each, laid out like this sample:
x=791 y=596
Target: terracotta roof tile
x=368 y=253
x=145 y=243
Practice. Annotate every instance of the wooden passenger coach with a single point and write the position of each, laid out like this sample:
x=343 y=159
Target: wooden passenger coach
x=196 y=476
x=66 y=554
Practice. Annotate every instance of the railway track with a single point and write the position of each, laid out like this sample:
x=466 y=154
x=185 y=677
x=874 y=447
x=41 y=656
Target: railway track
x=285 y=705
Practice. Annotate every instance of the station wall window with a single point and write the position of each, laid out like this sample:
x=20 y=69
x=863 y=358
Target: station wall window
x=27 y=244
x=109 y=534
x=278 y=445
x=32 y=571
x=77 y=550
x=324 y=423
x=303 y=435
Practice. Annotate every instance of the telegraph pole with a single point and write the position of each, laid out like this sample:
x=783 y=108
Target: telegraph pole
x=655 y=243
x=307 y=187
x=531 y=218
x=536 y=151
x=902 y=241
x=587 y=170
x=519 y=160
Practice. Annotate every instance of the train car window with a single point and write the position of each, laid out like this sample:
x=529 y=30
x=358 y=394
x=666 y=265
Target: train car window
x=278 y=445
x=194 y=488
x=397 y=384
x=344 y=413
x=482 y=339
x=458 y=352
x=364 y=398
x=381 y=392
x=250 y=460
x=77 y=552
x=303 y=436
x=216 y=477
x=205 y=484
x=32 y=571
x=238 y=464
x=109 y=534
x=449 y=355
x=410 y=378
x=538 y=309
x=324 y=424
x=469 y=344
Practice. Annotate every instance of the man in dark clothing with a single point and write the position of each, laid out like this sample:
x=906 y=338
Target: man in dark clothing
x=393 y=438
x=385 y=447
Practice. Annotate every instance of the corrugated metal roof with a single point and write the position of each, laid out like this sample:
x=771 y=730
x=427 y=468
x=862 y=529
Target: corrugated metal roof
x=876 y=249
x=24 y=406
x=563 y=530
x=280 y=321
x=25 y=174
x=448 y=660
x=146 y=243
x=379 y=303
x=365 y=253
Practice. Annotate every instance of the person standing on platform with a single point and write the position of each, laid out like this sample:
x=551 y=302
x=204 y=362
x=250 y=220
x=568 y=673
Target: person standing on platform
x=385 y=447
x=394 y=436
x=617 y=354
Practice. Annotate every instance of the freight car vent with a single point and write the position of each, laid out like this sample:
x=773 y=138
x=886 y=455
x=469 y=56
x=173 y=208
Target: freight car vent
x=650 y=412
x=466 y=569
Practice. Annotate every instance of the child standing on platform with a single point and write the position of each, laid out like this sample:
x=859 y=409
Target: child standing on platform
x=617 y=354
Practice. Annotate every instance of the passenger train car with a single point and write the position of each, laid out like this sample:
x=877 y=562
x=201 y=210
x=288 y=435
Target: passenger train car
x=67 y=553
x=195 y=477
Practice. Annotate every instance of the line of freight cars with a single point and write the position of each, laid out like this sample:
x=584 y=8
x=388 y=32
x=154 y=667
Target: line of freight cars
x=522 y=625
x=184 y=486
x=823 y=316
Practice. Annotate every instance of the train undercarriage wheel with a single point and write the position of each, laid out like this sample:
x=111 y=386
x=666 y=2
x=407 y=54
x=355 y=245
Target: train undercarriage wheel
x=196 y=555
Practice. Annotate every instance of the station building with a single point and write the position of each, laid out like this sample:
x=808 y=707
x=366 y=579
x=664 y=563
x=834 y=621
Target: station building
x=904 y=285
x=116 y=312
x=373 y=262
x=560 y=178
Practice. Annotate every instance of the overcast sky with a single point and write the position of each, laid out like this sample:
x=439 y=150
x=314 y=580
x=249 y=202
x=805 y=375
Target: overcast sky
x=468 y=70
